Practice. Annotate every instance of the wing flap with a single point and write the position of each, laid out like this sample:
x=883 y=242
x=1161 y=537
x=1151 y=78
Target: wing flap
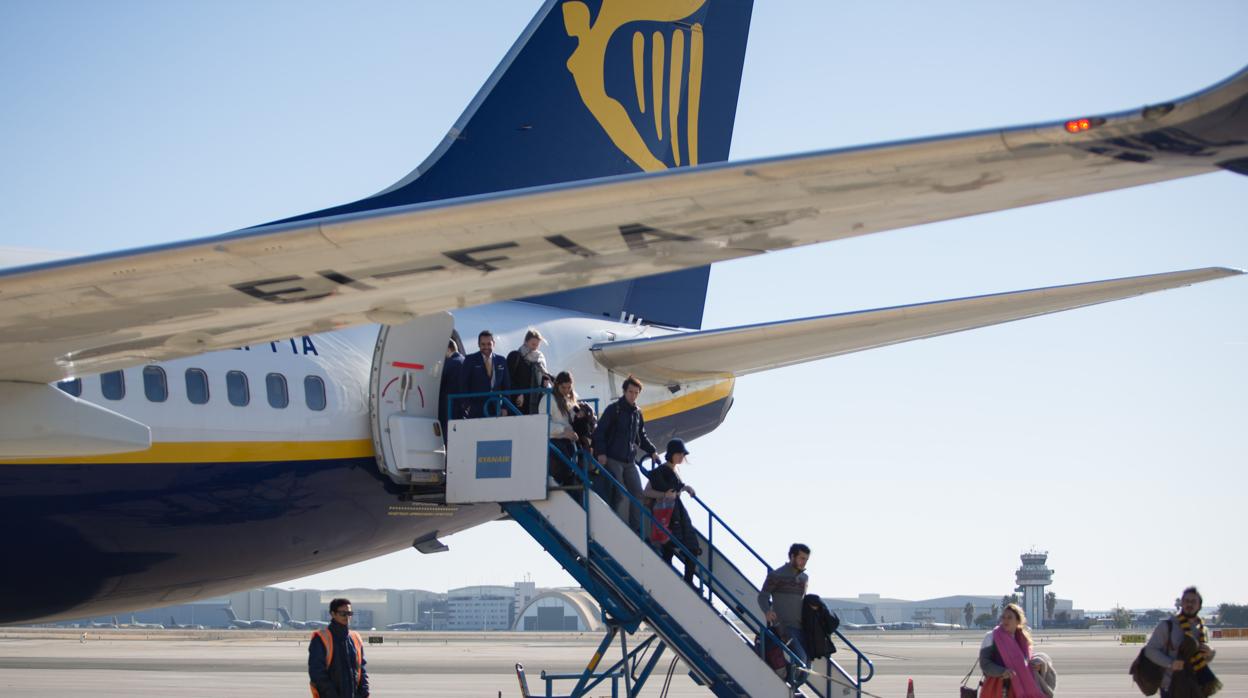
x=110 y=311
x=740 y=351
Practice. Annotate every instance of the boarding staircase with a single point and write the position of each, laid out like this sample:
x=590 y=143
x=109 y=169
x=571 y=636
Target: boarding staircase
x=715 y=628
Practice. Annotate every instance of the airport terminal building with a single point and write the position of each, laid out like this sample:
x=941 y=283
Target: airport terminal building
x=873 y=609
x=473 y=608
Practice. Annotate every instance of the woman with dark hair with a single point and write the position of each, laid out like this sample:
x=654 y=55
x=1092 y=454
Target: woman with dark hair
x=665 y=486
x=563 y=437
x=1005 y=658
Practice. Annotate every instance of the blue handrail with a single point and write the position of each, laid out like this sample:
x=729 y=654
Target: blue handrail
x=717 y=587
x=498 y=399
x=712 y=517
x=498 y=402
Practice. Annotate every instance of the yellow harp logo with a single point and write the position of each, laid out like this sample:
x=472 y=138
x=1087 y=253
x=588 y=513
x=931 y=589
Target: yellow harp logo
x=667 y=51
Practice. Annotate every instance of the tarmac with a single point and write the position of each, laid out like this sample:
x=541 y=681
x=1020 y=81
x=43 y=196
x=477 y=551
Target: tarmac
x=54 y=663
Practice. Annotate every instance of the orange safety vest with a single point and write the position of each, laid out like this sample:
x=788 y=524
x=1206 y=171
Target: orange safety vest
x=328 y=640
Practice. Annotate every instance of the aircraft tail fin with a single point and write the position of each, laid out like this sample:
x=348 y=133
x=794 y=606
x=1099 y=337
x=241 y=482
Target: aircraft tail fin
x=595 y=88
x=173 y=622
x=592 y=88
x=229 y=613
x=283 y=614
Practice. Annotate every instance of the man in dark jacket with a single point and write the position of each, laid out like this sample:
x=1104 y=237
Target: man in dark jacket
x=336 y=657
x=621 y=431
x=483 y=372
x=452 y=371
x=818 y=624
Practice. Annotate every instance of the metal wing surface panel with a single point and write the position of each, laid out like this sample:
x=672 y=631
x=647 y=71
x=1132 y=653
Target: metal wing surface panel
x=743 y=350
x=110 y=311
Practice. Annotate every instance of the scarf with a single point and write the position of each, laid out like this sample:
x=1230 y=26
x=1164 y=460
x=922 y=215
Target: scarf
x=1015 y=654
x=533 y=356
x=1195 y=635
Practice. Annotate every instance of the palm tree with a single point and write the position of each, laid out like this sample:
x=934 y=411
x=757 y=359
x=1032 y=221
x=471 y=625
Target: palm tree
x=968 y=611
x=1050 y=605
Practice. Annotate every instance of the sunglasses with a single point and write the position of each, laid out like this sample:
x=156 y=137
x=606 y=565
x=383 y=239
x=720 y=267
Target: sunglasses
x=344 y=613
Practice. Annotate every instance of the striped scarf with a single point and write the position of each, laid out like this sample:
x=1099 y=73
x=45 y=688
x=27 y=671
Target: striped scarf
x=1197 y=671
x=1194 y=628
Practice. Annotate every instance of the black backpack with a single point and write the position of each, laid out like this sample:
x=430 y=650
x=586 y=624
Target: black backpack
x=1145 y=673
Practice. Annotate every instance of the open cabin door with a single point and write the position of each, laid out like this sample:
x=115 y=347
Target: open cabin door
x=403 y=398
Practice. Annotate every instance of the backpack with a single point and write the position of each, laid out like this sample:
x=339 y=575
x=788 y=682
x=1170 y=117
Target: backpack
x=584 y=423
x=1145 y=673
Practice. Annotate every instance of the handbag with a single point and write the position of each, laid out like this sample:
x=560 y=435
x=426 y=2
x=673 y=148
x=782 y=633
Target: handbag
x=1147 y=675
x=663 y=515
x=967 y=691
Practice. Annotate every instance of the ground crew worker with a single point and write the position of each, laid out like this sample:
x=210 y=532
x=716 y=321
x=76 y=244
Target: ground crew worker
x=336 y=657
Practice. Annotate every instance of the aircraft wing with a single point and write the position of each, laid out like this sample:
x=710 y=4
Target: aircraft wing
x=311 y=275
x=739 y=351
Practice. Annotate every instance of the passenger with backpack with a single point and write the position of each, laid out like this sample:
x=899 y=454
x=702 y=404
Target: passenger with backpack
x=1179 y=648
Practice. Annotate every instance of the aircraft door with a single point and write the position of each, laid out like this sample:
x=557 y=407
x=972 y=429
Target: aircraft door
x=403 y=398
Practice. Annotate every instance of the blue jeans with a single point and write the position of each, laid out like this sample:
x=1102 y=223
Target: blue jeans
x=795 y=643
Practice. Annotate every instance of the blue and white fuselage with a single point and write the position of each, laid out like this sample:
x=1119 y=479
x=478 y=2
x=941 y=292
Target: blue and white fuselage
x=301 y=486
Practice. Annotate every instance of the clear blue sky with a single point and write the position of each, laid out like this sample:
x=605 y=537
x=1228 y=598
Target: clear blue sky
x=1113 y=436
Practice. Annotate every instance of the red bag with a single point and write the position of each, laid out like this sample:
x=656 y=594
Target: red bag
x=662 y=511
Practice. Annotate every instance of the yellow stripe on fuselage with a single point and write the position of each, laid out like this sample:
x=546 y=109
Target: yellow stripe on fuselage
x=692 y=401
x=225 y=452
x=267 y=451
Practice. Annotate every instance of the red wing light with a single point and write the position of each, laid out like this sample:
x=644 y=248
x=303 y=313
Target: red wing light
x=1080 y=125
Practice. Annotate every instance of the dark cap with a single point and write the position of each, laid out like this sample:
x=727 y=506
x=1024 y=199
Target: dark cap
x=676 y=446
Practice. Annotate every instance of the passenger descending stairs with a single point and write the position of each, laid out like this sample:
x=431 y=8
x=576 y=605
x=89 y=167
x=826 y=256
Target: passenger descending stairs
x=713 y=630
x=632 y=583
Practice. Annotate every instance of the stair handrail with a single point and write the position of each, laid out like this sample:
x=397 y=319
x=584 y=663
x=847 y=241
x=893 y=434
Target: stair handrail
x=716 y=586
x=712 y=516
x=723 y=592
x=499 y=402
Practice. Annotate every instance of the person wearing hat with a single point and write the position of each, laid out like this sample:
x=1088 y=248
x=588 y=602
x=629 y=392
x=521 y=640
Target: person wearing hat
x=665 y=484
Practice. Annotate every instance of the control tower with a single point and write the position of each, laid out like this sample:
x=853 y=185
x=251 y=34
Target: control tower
x=1032 y=578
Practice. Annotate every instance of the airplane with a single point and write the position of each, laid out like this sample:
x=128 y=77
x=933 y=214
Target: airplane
x=404 y=627
x=161 y=404
x=102 y=626
x=244 y=624
x=136 y=625
x=173 y=624
x=299 y=624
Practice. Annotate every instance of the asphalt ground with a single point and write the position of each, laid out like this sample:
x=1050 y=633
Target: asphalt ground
x=256 y=663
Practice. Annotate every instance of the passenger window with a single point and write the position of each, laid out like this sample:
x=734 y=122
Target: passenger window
x=275 y=386
x=314 y=392
x=155 y=386
x=73 y=387
x=196 y=386
x=236 y=388
x=113 y=385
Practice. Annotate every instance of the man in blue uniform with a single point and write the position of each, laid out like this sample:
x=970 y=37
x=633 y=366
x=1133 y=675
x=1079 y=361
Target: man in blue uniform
x=483 y=372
